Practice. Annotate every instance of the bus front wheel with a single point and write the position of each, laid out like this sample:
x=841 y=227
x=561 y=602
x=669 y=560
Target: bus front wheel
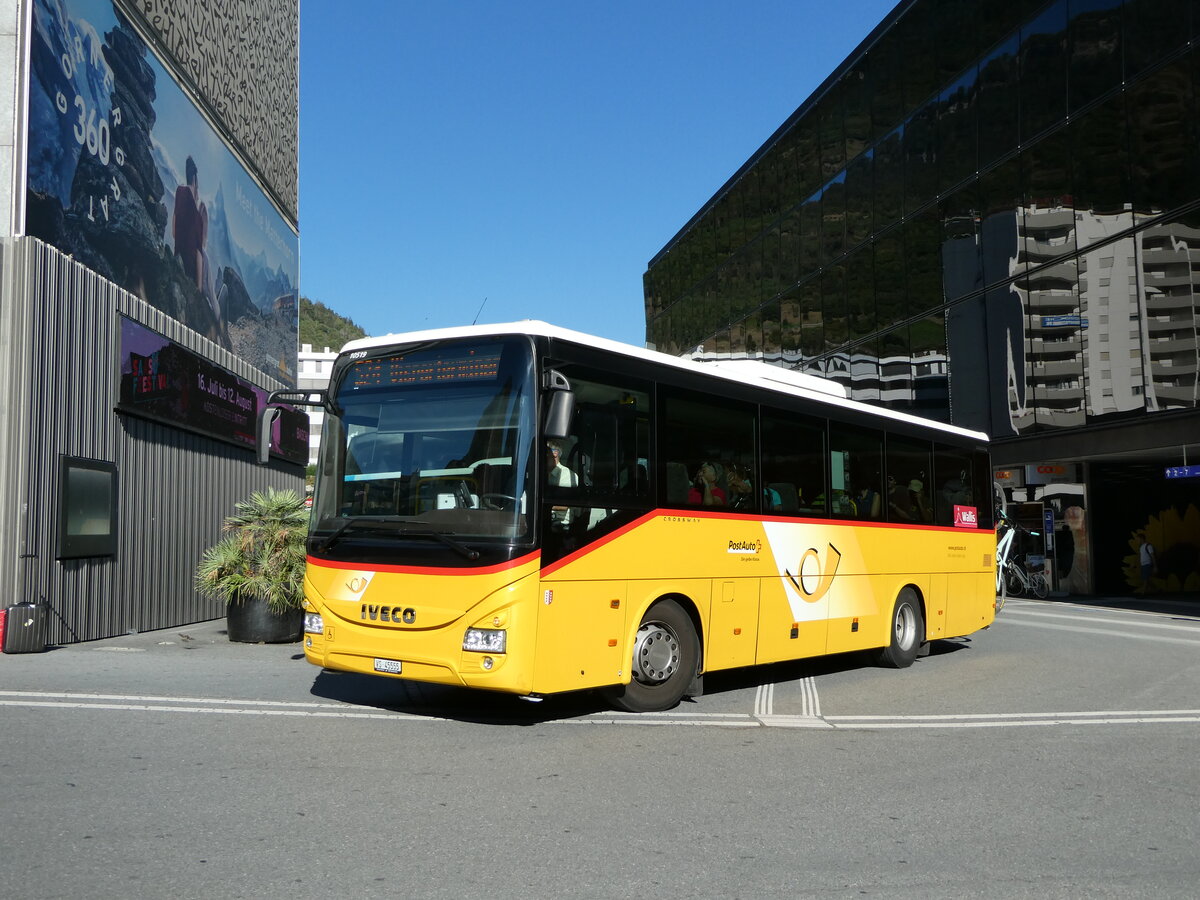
x=906 y=633
x=666 y=657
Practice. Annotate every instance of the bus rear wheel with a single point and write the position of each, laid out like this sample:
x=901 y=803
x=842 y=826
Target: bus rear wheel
x=907 y=632
x=666 y=657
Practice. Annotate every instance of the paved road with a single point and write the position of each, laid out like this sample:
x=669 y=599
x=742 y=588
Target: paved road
x=1050 y=756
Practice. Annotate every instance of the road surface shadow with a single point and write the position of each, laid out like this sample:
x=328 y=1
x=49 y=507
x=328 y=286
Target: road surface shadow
x=416 y=698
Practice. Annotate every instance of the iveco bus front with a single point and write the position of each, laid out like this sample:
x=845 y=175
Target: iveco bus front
x=422 y=516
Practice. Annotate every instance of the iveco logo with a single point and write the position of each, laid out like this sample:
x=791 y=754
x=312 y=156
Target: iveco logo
x=373 y=613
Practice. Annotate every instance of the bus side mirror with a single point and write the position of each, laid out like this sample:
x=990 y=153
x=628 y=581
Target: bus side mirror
x=266 y=418
x=559 y=415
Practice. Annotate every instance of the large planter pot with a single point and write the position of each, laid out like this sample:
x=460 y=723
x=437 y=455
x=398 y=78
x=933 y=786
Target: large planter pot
x=253 y=622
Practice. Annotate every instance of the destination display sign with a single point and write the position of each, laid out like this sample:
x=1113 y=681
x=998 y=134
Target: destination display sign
x=445 y=365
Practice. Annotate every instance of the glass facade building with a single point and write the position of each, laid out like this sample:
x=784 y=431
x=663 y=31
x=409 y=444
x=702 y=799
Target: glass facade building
x=989 y=214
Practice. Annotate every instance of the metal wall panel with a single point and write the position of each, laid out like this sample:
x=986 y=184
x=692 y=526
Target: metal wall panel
x=59 y=397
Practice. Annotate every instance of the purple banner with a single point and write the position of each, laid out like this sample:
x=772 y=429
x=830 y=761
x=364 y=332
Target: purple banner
x=163 y=381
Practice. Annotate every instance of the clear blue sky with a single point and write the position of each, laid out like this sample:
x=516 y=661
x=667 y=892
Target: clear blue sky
x=534 y=153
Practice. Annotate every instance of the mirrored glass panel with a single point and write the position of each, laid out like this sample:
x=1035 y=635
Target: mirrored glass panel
x=833 y=300
x=1103 y=195
x=887 y=93
x=1152 y=29
x=1048 y=227
x=833 y=217
x=856 y=98
x=954 y=39
x=920 y=157
x=864 y=372
x=1110 y=324
x=1044 y=70
x=772 y=347
x=931 y=383
x=1055 y=347
x=860 y=293
x=1162 y=132
x=858 y=199
x=1169 y=256
x=1095 y=48
x=889 y=179
x=998 y=101
x=812 y=325
x=890 y=302
x=962 y=264
x=956 y=130
x=895 y=369
x=923 y=262
x=1000 y=199
x=829 y=124
x=789 y=326
x=810 y=235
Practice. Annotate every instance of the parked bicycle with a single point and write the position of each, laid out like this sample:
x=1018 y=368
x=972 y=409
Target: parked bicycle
x=1013 y=577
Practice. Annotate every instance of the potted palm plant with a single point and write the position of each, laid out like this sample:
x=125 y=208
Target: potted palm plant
x=257 y=568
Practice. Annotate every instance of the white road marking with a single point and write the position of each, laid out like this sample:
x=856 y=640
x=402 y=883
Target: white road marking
x=812 y=703
x=1000 y=721
x=764 y=700
x=1188 y=625
x=810 y=719
x=1108 y=632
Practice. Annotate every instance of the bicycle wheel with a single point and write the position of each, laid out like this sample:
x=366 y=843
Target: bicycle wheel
x=1039 y=585
x=1014 y=584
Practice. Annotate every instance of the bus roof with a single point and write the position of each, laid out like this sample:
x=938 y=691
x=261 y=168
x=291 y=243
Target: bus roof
x=749 y=372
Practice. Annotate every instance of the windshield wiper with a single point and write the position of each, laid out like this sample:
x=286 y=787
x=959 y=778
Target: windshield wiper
x=365 y=522
x=444 y=537
x=368 y=523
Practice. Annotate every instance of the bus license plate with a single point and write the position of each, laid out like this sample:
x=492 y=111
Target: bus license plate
x=391 y=666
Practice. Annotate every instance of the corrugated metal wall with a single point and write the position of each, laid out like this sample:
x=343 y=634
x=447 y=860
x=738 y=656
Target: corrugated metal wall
x=174 y=487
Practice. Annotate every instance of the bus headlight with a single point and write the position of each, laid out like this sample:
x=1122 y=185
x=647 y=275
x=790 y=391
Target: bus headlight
x=485 y=640
x=313 y=623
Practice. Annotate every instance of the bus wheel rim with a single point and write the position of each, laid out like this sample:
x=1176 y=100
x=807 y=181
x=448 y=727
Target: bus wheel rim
x=906 y=626
x=655 y=654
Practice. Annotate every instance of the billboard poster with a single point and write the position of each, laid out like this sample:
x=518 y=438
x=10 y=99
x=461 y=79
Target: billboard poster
x=163 y=381
x=127 y=176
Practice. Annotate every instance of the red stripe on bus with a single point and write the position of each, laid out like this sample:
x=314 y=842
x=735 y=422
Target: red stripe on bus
x=608 y=538
x=425 y=570
x=738 y=517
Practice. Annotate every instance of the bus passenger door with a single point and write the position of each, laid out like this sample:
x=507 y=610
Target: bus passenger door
x=732 y=632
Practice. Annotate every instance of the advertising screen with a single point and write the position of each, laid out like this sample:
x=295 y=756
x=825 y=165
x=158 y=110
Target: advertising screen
x=127 y=176
x=163 y=381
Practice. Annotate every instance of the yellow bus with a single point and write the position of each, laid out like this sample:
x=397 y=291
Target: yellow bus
x=527 y=509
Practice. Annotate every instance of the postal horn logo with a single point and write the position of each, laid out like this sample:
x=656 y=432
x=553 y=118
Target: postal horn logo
x=813 y=578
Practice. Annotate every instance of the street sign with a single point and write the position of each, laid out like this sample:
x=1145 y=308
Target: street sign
x=1048 y=520
x=1183 y=471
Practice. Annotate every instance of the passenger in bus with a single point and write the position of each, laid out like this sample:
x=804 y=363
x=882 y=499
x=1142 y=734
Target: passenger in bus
x=868 y=503
x=900 y=505
x=558 y=475
x=704 y=490
x=741 y=491
x=920 y=501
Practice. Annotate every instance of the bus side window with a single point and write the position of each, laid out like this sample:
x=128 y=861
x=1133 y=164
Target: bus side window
x=793 y=465
x=951 y=483
x=908 y=477
x=855 y=472
x=709 y=438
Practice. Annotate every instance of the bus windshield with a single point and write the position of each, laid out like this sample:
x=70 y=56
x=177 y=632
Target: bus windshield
x=431 y=449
